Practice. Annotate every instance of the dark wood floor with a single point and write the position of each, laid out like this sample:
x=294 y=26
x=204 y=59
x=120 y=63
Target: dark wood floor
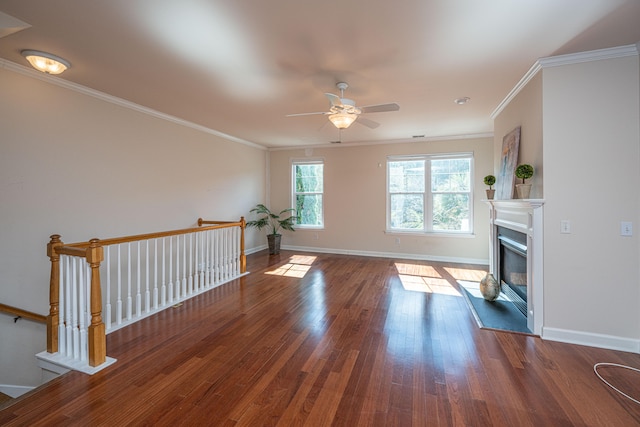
x=310 y=339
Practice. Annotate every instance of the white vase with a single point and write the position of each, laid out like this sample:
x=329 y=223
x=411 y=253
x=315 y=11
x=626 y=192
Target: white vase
x=524 y=190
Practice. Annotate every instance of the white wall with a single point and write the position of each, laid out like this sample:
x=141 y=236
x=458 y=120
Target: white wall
x=592 y=178
x=355 y=201
x=524 y=110
x=81 y=167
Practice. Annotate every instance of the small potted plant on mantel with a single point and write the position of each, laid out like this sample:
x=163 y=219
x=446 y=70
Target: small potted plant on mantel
x=285 y=220
x=490 y=180
x=524 y=171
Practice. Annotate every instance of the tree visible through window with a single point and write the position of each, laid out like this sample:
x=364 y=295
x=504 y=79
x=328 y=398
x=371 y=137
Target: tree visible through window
x=308 y=177
x=429 y=193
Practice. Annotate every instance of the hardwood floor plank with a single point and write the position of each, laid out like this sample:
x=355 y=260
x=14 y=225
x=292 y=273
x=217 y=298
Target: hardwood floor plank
x=354 y=341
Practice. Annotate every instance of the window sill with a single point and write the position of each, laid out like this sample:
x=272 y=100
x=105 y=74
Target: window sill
x=464 y=235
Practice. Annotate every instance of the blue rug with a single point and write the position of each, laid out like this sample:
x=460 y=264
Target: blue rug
x=499 y=314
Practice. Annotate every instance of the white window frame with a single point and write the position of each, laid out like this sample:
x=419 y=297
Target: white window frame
x=428 y=195
x=307 y=161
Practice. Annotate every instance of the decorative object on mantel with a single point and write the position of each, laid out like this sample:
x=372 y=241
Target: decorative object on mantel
x=489 y=287
x=524 y=171
x=490 y=180
x=506 y=177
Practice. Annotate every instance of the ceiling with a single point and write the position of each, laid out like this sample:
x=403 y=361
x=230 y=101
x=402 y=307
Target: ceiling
x=239 y=67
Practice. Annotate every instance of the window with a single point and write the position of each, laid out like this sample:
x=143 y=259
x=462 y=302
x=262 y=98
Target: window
x=429 y=193
x=308 y=187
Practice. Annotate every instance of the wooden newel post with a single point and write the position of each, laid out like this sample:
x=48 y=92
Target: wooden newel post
x=243 y=257
x=97 y=334
x=53 y=319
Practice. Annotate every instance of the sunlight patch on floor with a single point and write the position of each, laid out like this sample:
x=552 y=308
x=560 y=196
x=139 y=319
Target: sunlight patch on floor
x=467 y=274
x=298 y=267
x=416 y=270
x=302 y=259
x=426 y=278
x=430 y=285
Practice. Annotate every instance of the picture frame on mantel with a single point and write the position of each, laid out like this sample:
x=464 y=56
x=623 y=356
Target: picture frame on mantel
x=506 y=176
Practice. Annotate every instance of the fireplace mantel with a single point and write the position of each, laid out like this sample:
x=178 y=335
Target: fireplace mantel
x=525 y=216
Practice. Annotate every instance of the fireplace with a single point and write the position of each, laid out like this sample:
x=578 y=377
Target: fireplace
x=516 y=257
x=512 y=266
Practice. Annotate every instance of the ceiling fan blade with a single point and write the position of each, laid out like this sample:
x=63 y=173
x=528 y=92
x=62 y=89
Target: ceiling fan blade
x=380 y=108
x=305 y=114
x=333 y=99
x=366 y=122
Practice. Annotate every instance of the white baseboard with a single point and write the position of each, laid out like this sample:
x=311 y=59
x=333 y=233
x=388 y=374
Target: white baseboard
x=396 y=255
x=14 y=390
x=590 y=339
x=254 y=250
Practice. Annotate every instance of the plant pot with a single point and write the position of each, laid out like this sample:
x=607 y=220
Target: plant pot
x=489 y=287
x=490 y=194
x=274 y=243
x=523 y=190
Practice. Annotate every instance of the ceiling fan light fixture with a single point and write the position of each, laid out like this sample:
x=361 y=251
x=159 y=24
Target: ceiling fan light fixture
x=342 y=120
x=46 y=62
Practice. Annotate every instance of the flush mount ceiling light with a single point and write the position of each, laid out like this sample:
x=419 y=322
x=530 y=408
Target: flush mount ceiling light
x=46 y=62
x=342 y=120
x=462 y=101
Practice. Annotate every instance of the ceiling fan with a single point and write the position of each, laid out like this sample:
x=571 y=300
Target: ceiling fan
x=343 y=111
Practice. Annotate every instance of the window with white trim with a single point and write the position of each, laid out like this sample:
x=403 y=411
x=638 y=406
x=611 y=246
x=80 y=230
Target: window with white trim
x=308 y=192
x=430 y=193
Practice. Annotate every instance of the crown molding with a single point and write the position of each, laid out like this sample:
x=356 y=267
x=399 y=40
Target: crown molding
x=593 y=55
x=569 y=59
x=57 y=81
x=387 y=142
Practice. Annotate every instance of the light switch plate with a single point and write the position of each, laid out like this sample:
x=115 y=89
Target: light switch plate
x=626 y=228
x=565 y=226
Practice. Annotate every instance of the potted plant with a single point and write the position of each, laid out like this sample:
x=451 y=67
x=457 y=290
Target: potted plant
x=524 y=171
x=490 y=180
x=285 y=220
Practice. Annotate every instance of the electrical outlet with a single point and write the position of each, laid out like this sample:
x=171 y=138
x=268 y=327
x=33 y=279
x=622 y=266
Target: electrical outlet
x=626 y=228
x=315 y=236
x=565 y=226
x=398 y=241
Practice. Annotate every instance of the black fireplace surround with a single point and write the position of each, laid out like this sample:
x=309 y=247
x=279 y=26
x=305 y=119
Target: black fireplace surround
x=512 y=261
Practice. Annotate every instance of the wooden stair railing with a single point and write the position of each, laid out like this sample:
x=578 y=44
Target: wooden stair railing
x=20 y=313
x=219 y=257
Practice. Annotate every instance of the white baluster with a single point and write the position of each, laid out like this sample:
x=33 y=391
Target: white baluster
x=82 y=312
x=138 y=282
x=207 y=278
x=215 y=263
x=177 y=277
x=218 y=251
x=74 y=309
x=184 y=266
x=155 y=274
x=190 y=263
x=62 y=305
x=107 y=310
x=119 y=300
x=129 y=298
x=68 y=283
x=224 y=256
x=170 y=269
x=236 y=257
x=163 y=301
x=147 y=294
x=199 y=261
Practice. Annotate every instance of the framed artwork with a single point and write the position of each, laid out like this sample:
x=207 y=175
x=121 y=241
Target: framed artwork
x=506 y=176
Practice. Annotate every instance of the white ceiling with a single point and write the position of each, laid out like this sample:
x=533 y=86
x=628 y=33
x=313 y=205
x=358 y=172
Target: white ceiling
x=240 y=66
